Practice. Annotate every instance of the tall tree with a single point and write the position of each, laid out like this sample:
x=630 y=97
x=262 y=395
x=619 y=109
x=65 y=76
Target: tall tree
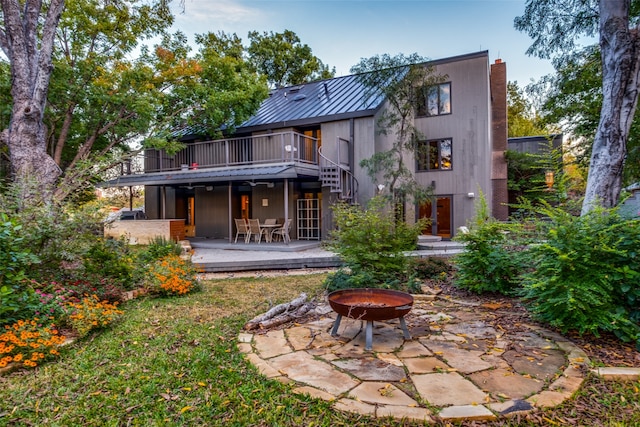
x=404 y=82
x=284 y=59
x=102 y=103
x=554 y=26
x=99 y=99
x=573 y=96
x=27 y=38
x=522 y=118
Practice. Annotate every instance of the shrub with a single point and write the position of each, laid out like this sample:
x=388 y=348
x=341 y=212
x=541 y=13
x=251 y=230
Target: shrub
x=28 y=343
x=172 y=275
x=91 y=313
x=110 y=258
x=429 y=268
x=57 y=234
x=160 y=247
x=371 y=244
x=53 y=305
x=104 y=288
x=15 y=293
x=493 y=259
x=587 y=274
x=345 y=279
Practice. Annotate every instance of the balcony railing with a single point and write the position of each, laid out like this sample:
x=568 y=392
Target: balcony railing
x=283 y=147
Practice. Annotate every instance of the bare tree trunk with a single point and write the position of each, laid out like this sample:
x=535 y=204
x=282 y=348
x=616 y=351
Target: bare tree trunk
x=29 y=48
x=620 y=50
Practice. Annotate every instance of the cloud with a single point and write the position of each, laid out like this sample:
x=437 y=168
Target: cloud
x=215 y=15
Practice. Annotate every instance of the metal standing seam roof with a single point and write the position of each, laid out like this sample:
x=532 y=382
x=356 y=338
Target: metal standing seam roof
x=340 y=96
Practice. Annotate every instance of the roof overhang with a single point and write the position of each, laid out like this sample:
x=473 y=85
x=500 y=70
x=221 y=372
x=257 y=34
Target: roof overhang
x=211 y=175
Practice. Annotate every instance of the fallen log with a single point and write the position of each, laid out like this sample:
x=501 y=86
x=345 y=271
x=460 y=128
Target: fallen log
x=286 y=317
x=278 y=310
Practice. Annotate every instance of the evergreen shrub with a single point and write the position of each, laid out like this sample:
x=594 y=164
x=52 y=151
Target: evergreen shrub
x=494 y=257
x=371 y=243
x=586 y=274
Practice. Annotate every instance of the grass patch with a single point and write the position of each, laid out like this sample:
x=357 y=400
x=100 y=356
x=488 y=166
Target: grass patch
x=174 y=361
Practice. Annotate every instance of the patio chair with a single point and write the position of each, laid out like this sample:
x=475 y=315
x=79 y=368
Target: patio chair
x=256 y=231
x=242 y=228
x=270 y=221
x=283 y=232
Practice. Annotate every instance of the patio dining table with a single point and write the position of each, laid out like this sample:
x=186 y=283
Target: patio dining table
x=269 y=229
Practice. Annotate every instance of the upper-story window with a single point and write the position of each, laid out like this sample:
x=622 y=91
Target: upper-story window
x=435 y=100
x=434 y=155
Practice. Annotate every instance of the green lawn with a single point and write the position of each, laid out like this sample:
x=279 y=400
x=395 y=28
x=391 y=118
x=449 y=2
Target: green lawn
x=174 y=361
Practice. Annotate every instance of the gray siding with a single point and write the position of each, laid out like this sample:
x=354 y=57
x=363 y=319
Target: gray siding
x=468 y=126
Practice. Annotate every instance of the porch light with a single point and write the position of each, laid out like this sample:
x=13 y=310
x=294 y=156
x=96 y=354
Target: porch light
x=548 y=179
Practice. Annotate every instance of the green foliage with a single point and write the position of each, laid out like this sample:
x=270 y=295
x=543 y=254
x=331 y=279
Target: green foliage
x=284 y=60
x=587 y=274
x=429 y=268
x=573 y=96
x=110 y=258
x=523 y=119
x=15 y=261
x=492 y=260
x=160 y=247
x=401 y=80
x=372 y=243
x=527 y=175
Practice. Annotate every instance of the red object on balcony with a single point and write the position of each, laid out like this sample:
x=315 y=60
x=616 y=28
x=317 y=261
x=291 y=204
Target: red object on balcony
x=194 y=165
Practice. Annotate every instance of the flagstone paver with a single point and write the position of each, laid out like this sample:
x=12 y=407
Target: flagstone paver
x=449 y=388
x=302 y=367
x=413 y=349
x=381 y=393
x=371 y=369
x=506 y=384
x=424 y=365
x=619 y=373
x=405 y=412
x=466 y=412
x=466 y=361
x=351 y=405
x=458 y=362
x=540 y=365
x=510 y=408
x=273 y=343
x=314 y=392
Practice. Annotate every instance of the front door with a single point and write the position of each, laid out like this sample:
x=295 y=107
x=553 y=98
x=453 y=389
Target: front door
x=440 y=218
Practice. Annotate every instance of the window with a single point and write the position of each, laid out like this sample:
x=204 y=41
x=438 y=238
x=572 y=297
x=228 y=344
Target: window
x=435 y=100
x=434 y=155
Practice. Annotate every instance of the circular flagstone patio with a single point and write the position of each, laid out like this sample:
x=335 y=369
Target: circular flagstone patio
x=460 y=363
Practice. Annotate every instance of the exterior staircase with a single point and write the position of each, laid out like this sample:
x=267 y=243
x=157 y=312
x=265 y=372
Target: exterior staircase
x=438 y=247
x=338 y=178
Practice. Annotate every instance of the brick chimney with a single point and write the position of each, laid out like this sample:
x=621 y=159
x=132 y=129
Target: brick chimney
x=498 y=82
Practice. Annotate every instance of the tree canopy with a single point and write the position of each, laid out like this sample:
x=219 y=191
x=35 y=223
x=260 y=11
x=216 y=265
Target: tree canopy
x=284 y=60
x=573 y=96
x=103 y=101
x=555 y=26
x=522 y=118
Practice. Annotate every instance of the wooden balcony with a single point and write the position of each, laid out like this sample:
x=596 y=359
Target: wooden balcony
x=286 y=147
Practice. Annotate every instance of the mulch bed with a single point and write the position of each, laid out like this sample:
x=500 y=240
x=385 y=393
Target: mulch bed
x=606 y=349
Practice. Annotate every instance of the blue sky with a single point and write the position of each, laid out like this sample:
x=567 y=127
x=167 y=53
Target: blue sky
x=341 y=32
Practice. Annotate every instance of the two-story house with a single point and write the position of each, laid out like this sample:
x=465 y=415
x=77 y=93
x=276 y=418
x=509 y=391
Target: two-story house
x=301 y=151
